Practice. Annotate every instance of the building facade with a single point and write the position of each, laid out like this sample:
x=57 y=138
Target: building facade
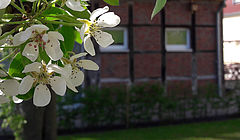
x=180 y=48
x=231 y=32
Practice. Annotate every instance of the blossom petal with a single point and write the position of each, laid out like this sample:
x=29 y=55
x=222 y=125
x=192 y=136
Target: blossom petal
x=75 y=5
x=58 y=85
x=108 y=20
x=66 y=71
x=88 y=45
x=9 y=87
x=57 y=35
x=31 y=51
x=45 y=38
x=77 y=56
x=104 y=39
x=84 y=28
x=35 y=66
x=96 y=13
x=4 y=3
x=38 y=27
x=16 y=100
x=88 y=64
x=41 y=96
x=26 y=84
x=71 y=86
x=4 y=99
x=76 y=77
x=53 y=50
x=3 y=73
x=20 y=38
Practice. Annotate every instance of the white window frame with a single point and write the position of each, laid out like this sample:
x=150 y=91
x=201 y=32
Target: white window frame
x=118 y=48
x=235 y=2
x=178 y=48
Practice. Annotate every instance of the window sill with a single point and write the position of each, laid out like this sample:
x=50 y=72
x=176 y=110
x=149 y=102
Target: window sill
x=179 y=50
x=109 y=50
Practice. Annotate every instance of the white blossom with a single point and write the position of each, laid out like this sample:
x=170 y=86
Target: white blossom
x=77 y=5
x=16 y=100
x=39 y=38
x=4 y=3
x=99 y=19
x=8 y=88
x=73 y=66
x=41 y=75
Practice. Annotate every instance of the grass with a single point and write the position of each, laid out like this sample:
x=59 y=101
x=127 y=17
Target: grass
x=220 y=130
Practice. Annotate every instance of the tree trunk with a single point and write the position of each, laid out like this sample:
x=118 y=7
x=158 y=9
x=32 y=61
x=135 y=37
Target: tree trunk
x=41 y=121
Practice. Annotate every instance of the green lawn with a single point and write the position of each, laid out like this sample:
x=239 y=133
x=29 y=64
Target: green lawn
x=221 y=130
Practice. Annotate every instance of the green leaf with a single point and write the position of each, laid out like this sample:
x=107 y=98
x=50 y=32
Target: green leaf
x=69 y=39
x=43 y=55
x=78 y=37
x=16 y=67
x=112 y=2
x=158 y=7
x=2 y=11
x=54 y=10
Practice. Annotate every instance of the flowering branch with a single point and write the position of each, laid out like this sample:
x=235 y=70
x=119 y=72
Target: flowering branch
x=38 y=40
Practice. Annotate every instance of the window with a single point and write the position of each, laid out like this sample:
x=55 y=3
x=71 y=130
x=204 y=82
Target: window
x=178 y=39
x=236 y=1
x=120 y=37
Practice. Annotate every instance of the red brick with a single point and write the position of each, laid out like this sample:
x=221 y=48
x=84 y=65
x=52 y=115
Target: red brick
x=179 y=88
x=147 y=38
x=178 y=13
x=142 y=11
x=179 y=64
x=206 y=38
x=206 y=13
x=147 y=65
x=114 y=66
x=206 y=63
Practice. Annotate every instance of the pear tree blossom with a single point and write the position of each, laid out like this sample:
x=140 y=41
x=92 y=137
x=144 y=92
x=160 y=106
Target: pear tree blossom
x=99 y=19
x=75 y=67
x=40 y=36
x=37 y=39
x=41 y=75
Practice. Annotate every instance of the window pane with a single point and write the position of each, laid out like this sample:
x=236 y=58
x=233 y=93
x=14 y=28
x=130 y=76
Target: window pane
x=236 y=1
x=118 y=36
x=177 y=37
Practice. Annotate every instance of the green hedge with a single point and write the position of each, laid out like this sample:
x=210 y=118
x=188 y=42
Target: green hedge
x=140 y=104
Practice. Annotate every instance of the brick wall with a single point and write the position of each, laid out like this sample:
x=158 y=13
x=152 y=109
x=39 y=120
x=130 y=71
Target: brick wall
x=147 y=63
